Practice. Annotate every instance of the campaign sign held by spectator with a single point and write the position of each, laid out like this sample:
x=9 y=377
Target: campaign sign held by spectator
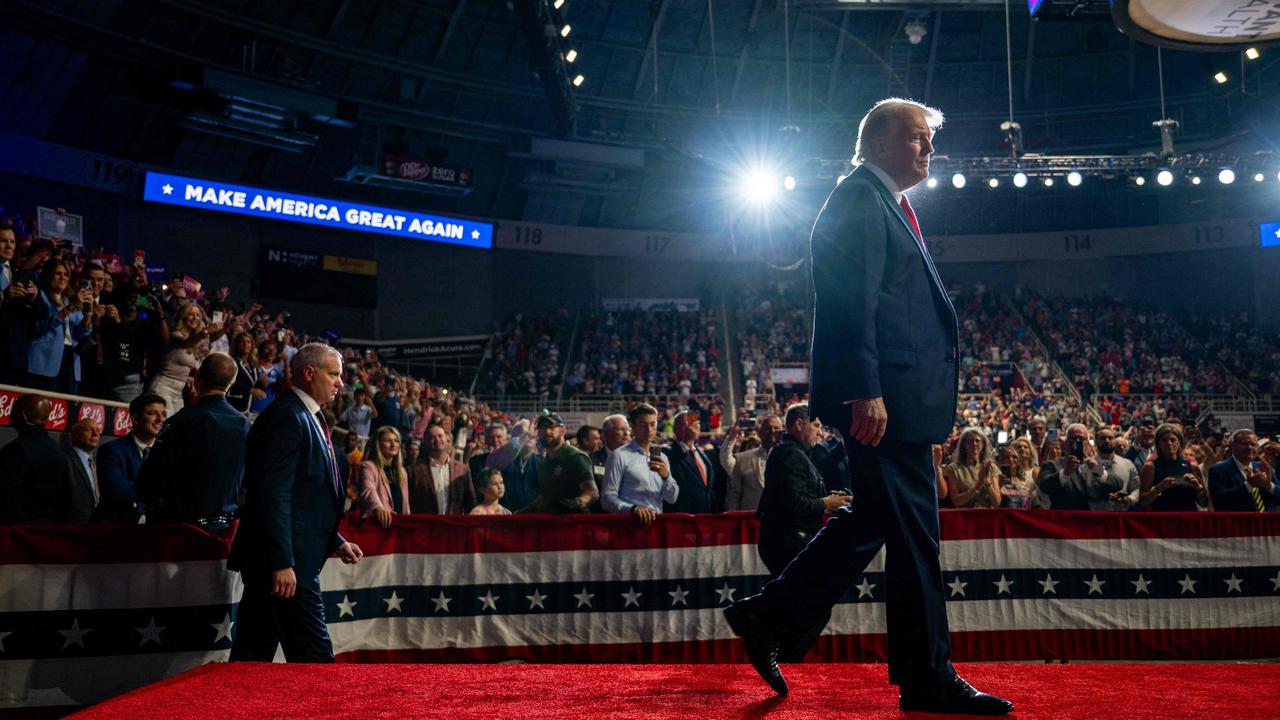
x=327 y=212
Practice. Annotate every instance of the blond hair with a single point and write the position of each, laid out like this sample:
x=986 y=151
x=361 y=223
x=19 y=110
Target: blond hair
x=877 y=122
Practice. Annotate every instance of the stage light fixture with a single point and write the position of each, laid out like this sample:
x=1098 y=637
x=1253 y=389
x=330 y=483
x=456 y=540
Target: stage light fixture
x=1259 y=177
x=1048 y=182
x=1165 y=178
x=759 y=187
x=558 y=4
x=571 y=56
x=578 y=80
x=1226 y=176
x=1220 y=77
x=564 y=32
x=1252 y=53
x=789 y=182
x=931 y=183
x=958 y=180
x=1020 y=180
x=1074 y=178
x=994 y=182
x=1139 y=181
x=1195 y=179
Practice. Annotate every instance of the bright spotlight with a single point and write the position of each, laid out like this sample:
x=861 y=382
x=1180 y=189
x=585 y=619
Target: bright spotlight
x=1020 y=180
x=571 y=56
x=1220 y=77
x=759 y=187
x=578 y=80
x=993 y=182
x=1259 y=177
x=1139 y=181
x=1195 y=179
x=1074 y=178
x=1048 y=182
x=1164 y=177
x=789 y=182
x=558 y=4
x=958 y=180
x=1252 y=53
x=1226 y=176
x=564 y=32
x=931 y=183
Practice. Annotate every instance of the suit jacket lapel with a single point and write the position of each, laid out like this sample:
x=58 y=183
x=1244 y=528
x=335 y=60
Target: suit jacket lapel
x=330 y=461
x=896 y=209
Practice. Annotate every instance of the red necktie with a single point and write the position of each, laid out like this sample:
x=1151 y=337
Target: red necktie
x=911 y=218
x=697 y=461
x=333 y=460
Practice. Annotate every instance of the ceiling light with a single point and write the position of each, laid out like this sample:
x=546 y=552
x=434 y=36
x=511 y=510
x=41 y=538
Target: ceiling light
x=1221 y=77
x=1139 y=181
x=1074 y=178
x=1019 y=179
x=577 y=81
x=564 y=32
x=1252 y=53
x=994 y=182
x=958 y=180
x=789 y=182
x=1226 y=176
x=1164 y=177
x=571 y=56
x=1195 y=179
x=931 y=183
x=1259 y=177
x=1048 y=182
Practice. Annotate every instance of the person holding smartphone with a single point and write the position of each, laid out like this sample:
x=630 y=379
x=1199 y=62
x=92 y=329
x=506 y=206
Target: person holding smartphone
x=1076 y=480
x=1170 y=483
x=637 y=476
x=60 y=319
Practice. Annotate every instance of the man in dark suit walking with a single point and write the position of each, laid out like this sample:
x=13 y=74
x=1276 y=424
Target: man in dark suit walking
x=883 y=366
x=293 y=501
x=35 y=475
x=692 y=469
x=195 y=470
x=1241 y=482
x=85 y=435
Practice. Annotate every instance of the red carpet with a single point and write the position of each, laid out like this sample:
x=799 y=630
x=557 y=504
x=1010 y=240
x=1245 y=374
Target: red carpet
x=492 y=692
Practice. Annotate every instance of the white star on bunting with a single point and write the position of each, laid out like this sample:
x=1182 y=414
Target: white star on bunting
x=150 y=633
x=74 y=635
x=957 y=587
x=584 y=597
x=393 y=602
x=1003 y=585
x=1140 y=585
x=1049 y=584
x=535 y=600
x=864 y=590
x=678 y=596
x=442 y=602
x=1095 y=585
x=1233 y=583
x=223 y=628
x=489 y=601
x=1275 y=581
x=1188 y=585
x=632 y=597
x=346 y=607
x=725 y=592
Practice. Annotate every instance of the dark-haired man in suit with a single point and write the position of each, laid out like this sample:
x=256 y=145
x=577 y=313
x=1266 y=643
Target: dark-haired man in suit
x=293 y=501
x=882 y=368
x=120 y=461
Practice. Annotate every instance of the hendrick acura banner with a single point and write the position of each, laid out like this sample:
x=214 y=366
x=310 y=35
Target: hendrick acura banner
x=422 y=348
x=328 y=212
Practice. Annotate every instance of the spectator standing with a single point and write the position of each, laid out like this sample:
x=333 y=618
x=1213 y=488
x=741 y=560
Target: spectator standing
x=439 y=484
x=1242 y=482
x=637 y=476
x=381 y=479
x=270 y=371
x=1170 y=483
x=60 y=319
x=973 y=479
x=83 y=496
x=119 y=462
x=491 y=491
x=495 y=436
x=360 y=416
x=175 y=372
x=35 y=476
x=1118 y=471
x=566 y=483
x=245 y=388
x=691 y=468
x=195 y=471
x=747 y=471
x=1142 y=447
x=1076 y=480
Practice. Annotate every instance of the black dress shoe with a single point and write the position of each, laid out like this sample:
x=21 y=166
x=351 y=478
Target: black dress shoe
x=956 y=697
x=762 y=648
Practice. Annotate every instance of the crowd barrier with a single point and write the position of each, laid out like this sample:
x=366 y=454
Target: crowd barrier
x=89 y=612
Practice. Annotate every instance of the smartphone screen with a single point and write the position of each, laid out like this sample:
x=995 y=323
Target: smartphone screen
x=217 y=317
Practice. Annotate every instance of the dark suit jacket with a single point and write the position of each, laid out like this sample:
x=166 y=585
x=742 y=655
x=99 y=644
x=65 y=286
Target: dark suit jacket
x=81 y=502
x=694 y=497
x=196 y=467
x=793 y=491
x=291 y=506
x=422 y=490
x=35 y=481
x=883 y=325
x=1231 y=493
x=118 y=464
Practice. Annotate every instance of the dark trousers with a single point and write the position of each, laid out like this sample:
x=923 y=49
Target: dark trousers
x=777 y=549
x=895 y=506
x=265 y=622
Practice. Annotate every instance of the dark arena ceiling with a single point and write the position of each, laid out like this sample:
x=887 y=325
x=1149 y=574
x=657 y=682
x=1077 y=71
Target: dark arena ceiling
x=700 y=88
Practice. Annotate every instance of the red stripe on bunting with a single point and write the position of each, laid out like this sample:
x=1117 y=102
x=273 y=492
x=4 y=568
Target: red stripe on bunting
x=1005 y=646
x=95 y=544
x=1080 y=525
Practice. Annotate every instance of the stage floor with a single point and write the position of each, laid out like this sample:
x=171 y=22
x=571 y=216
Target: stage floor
x=224 y=691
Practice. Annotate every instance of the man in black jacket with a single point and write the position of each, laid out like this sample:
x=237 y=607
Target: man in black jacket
x=35 y=476
x=195 y=472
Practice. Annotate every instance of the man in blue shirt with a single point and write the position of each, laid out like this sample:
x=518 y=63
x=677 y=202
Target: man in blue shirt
x=637 y=477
